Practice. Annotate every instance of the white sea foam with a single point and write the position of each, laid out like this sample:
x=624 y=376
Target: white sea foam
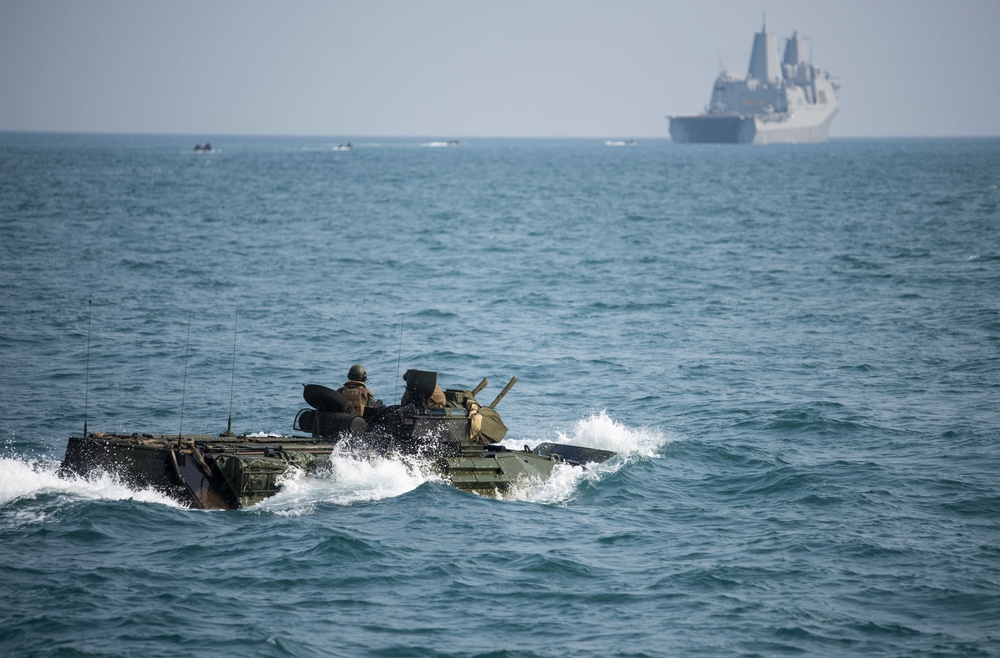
x=560 y=487
x=596 y=431
x=349 y=479
x=21 y=479
x=602 y=431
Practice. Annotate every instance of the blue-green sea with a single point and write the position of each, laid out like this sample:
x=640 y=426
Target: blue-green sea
x=794 y=350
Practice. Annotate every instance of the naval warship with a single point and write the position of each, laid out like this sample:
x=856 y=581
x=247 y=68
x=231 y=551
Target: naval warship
x=787 y=101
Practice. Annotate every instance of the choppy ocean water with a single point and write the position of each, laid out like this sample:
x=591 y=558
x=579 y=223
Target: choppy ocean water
x=795 y=351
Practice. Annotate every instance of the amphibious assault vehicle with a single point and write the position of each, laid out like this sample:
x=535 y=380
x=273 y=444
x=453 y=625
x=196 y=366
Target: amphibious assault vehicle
x=227 y=471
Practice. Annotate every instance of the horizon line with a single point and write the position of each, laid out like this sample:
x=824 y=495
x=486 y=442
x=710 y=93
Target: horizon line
x=434 y=136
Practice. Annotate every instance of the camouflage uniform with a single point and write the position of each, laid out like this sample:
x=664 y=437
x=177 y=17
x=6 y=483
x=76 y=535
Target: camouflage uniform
x=358 y=396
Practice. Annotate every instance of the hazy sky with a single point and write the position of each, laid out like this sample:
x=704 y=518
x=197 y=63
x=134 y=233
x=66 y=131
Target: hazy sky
x=443 y=68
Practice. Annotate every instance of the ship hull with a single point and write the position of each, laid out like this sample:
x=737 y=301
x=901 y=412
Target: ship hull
x=812 y=128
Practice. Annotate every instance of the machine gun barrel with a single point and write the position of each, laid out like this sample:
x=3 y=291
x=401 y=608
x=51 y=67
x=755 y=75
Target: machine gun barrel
x=510 y=384
x=483 y=384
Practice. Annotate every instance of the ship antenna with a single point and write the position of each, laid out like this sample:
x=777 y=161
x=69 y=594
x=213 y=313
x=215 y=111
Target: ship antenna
x=232 y=385
x=187 y=349
x=86 y=385
x=399 y=357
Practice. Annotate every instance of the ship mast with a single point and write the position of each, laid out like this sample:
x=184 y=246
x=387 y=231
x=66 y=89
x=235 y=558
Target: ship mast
x=764 y=63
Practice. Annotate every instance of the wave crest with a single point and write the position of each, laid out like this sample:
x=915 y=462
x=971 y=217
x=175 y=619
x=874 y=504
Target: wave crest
x=27 y=479
x=602 y=431
x=597 y=431
x=347 y=480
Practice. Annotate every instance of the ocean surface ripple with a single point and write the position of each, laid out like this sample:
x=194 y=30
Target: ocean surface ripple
x=795 y=352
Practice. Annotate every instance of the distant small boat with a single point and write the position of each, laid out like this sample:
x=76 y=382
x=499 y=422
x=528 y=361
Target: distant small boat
x=450 y=142
x=343 y=147
x=620 y=142
x=207 y=148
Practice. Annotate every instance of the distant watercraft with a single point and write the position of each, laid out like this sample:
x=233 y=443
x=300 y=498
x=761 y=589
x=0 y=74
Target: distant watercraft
x=790 y=102
x=207 y=148
x=620 y=142
x=343 y=147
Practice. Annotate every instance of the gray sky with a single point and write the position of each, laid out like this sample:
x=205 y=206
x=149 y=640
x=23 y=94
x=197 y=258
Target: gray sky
x=589 y=68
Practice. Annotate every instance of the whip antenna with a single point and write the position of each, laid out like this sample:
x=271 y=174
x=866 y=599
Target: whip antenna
x=86 y=385
x=399 y=358
x=187 y=349
x=232 y=385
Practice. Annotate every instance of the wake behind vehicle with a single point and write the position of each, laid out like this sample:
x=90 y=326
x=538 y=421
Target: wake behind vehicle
x=460 y=440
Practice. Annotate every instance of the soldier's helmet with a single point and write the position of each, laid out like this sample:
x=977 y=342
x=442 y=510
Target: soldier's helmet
x=357 y=373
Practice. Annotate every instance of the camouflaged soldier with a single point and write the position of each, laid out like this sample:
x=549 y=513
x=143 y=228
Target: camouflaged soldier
x=354 y=389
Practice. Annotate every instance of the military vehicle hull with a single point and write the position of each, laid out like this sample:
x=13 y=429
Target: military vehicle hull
x=232 y=472
x=201 y=471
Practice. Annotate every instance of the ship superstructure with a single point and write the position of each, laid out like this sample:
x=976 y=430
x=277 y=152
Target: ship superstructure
x=787 y=100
